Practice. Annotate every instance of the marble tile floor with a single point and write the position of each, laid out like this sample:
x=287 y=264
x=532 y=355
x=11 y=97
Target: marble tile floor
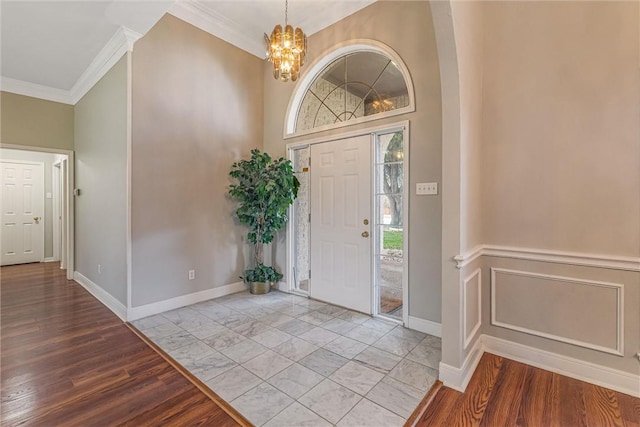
x=286 y=360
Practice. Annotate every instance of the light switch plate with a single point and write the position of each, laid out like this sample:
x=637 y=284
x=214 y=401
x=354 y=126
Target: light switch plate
x=427 y=188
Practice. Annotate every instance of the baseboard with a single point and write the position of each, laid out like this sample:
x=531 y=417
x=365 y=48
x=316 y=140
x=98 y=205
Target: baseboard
x=458 y=378
x=135 y=313
x=51 y=259
x=103 y=296
x=613 y=379
x=282 y=287
x=425 y=326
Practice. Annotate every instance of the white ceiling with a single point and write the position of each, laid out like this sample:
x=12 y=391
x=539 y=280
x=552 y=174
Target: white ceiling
x=50 y=47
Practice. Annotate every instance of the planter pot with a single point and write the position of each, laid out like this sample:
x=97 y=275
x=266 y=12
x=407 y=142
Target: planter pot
x=260 y=288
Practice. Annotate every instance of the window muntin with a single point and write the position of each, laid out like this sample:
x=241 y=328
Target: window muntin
x=354 y=86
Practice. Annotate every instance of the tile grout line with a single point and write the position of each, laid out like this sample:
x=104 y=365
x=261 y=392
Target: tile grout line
x=241 y=301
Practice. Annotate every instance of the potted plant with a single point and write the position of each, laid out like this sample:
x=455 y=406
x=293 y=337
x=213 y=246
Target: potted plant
x=265 y=189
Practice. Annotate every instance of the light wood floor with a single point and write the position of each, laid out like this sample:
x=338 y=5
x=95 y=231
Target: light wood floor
x=507 y=393
x=67 y=360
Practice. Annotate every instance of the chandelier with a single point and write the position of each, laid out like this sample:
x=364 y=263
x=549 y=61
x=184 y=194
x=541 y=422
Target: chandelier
x=286 y=49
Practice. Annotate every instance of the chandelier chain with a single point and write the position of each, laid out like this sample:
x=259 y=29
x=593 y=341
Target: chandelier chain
x=286 y=12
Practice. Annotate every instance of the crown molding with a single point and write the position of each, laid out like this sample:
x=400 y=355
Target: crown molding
x=206 y=19
x=331 y=15
x=192 y=12
x=218 y=25
x=121 y=43
x=35 y=90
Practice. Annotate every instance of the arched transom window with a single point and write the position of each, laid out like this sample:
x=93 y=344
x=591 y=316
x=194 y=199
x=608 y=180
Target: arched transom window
x=354 y=83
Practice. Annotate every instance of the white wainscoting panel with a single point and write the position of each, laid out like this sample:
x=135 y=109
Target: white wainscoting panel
x=581 y=312
x=471 y=306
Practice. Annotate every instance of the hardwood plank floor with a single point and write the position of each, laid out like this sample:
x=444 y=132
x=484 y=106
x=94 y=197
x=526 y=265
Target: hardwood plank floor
x=67 y=360
x=507 y=393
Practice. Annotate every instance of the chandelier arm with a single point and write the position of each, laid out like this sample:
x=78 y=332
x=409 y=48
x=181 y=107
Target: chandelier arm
x=286 y=49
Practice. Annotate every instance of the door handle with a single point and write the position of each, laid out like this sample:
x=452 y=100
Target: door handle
x=365 y=234
x=37 y=219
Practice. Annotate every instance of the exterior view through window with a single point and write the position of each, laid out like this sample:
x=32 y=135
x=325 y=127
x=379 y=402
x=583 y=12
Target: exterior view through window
x=389 y=222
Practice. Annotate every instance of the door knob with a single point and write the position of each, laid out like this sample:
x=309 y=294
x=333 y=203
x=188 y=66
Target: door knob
x=365 y=234
x=365 y=222
x=36 y=219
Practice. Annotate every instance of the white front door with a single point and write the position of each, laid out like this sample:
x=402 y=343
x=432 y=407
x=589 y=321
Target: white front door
x=22 y=230
x=341 y=223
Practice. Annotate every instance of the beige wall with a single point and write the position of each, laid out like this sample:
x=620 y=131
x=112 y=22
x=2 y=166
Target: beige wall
x=197 y=108
x=561 y=156
x=549 y=97
x=35 y=122
x=560 y=164
x=564 y=308
x=468 y=23
x=101 y=162
x=407 y=28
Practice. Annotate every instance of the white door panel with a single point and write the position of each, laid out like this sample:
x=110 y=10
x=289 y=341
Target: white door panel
x=22 y=213
x=340 y=203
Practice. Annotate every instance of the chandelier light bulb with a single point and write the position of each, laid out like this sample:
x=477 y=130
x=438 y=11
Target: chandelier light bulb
x=286 y=49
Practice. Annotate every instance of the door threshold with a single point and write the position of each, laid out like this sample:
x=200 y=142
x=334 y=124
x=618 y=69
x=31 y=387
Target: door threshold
x=389 y=319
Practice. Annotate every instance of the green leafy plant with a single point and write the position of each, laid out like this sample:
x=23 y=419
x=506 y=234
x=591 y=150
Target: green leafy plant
x=265 y=188
x=261 y=273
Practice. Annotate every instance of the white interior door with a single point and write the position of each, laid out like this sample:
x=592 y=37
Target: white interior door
x=22 y=230
x=340 y=223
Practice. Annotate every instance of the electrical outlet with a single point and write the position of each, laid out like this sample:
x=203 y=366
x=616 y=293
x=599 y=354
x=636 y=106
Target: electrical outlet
x=192 y=274
x=427 y=188
x=99 y=269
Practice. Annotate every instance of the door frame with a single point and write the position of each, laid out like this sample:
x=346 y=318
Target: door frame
x=44 y=205
x=404 y=128
x=56 y=171
x=69 y=205
x=289 y=286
